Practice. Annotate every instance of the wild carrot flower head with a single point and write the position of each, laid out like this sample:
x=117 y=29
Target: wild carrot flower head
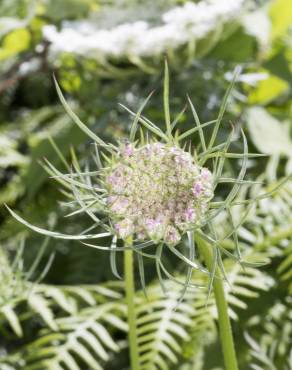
x=157 y=192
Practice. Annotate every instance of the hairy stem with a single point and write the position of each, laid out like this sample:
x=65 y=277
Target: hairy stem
x=226 y=336
x=130 y=300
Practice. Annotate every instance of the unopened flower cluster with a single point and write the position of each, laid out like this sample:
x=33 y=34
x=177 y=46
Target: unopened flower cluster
x=157 y=192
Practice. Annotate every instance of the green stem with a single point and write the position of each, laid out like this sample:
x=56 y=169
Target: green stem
x=130 y=300
x=226 y=337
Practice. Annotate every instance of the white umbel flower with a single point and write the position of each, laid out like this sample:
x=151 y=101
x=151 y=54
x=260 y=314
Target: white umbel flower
x=180 y=25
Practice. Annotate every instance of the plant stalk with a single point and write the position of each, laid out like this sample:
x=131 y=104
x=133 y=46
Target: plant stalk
x=225 y=330
x=130 y=300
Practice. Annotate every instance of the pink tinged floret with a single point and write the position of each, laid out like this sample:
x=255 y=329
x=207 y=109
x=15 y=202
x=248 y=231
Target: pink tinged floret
x=112 y=179
x=124 y=229
x=190 y=215
x=197 y=189
x=208 y=193
x=128 y=150
x=119 y=205
x=155 y=228
x=172 y=236
x=150 y=224
x=206 y=174
x=111 y=199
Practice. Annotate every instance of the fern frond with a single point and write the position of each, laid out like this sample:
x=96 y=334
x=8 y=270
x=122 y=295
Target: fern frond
x=242 y=284
x=271 y=349
x=268 y=229
x=84 y=339
x=164 y=327
x=78 y=326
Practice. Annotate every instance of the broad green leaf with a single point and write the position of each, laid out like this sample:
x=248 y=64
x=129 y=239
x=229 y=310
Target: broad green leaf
x=268 y=90
x=281 y=16
x=267 y=133
x=14 y=43
x=229 y=48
